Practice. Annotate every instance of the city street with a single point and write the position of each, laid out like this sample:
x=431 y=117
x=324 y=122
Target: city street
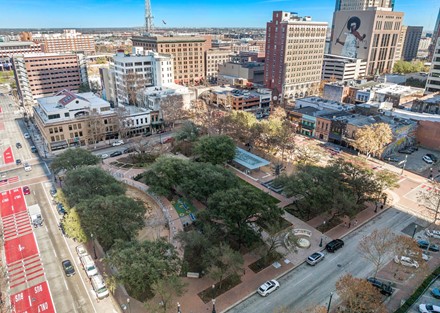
x=34 y=255
x=307 y=286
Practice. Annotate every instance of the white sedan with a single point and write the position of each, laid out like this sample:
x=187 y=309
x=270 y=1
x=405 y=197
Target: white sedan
x=118 y=143
x=432 y=233
x=104 y=156
x=406 y=261
x=268 y=287
x=429 y=308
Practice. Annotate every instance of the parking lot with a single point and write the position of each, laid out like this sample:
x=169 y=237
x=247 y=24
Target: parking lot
x=415 y=163
x=427 y=297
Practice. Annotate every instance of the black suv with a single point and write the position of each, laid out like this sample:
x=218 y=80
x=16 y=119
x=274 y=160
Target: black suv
x=384 y=289
x=334 y=245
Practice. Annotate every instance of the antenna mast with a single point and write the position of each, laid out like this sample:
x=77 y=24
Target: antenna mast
x=148 y=17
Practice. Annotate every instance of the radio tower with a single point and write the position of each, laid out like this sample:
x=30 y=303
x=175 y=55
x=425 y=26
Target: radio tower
x=148 y=17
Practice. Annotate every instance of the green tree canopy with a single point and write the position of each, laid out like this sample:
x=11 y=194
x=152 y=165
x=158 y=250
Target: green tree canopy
x=188 y=131
x=215 y=149
x=72 y=159
x=238 y=208
x=404 y=67
x=142 y=264
x=111 y=217
x=88 y=182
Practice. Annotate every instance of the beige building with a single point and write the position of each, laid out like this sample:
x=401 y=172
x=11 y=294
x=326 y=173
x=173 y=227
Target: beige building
x=69 y=41
x=294 y=54
x=373 y=35
x=68 y=119
x=39 y=75
x=433 y=81
x=213 y=59
x=188 y=55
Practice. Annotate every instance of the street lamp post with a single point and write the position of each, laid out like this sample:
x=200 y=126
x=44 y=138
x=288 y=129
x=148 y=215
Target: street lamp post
x=213 y=306
x=94 y=249
x=415 y=230
x=329 y=302
x=404 y=164
x=128 y=304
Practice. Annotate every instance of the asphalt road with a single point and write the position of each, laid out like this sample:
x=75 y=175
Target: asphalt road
x=73 y=294
x=307 y=286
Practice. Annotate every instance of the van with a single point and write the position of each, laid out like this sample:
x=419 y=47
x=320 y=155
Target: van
x=334 y=245
x=34 y=149
x=89 y=265
x=99 y=287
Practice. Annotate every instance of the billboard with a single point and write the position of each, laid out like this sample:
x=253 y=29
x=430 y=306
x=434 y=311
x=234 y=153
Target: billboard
x=352 y=33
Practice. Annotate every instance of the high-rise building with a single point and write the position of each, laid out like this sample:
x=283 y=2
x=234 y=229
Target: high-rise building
x=336 y=67
x=433 y=81
x=69 y=41
x=135 y=72
x=360 y=5
x=188 y=55
x=10 y=48
x=294 y=54
x=372 y=35
x=411 y=43
x=44 y=74
x=435 y=36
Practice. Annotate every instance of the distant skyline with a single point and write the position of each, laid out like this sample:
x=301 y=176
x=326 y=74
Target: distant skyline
x=183 y=13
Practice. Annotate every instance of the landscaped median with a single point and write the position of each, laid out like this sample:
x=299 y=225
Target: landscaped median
x=419 y=291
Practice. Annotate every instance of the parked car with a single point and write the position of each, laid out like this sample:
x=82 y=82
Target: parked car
x=432 y=157
x=69 y=270
x=432 y=233
x=315 y=258
x=429 y=308
x=27 y=167
x=118 y=143
x=53 y=191
x=34 y=149
x=18 y=145
x=81 y=251
x=334 y=245
x=104 y=156
x=61 y=210
x=128 y=150
x=392 y=159
x=416 y=254
x=406 y=261
x=268 y=287
x=26 y=190
x=405 y=151
x=61 y=228
x=435 y=292
x=384 y=289
x=169 y=139
x=26 y=136
x=412 y=148
x=427 y=159
x=426 y=245
x=116 y=153
x=18 y=161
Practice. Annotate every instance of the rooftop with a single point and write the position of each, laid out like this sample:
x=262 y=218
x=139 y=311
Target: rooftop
x=323 y=103
x=18 y=43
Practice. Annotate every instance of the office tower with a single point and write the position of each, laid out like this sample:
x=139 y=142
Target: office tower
x=294 y=54
x=411 y=43
x=372 y=35
x=435 y=36
x=188 y=55
x=360 y=5
x=433 y=81
x=40 y=75
x=69 y=41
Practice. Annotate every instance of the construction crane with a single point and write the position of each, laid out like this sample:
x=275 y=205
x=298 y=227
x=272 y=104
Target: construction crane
x=148 y=17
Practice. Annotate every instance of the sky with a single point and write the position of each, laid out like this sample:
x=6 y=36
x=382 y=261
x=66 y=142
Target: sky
x=184 y=13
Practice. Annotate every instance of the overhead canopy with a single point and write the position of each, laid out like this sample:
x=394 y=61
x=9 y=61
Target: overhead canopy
x=249 y=160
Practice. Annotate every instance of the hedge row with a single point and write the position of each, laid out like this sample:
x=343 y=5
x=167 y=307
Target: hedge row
x=415 y=296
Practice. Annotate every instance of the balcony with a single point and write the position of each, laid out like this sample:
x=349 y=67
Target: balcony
x=308 y=126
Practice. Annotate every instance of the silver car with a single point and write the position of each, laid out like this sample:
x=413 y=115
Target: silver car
x=315 y=258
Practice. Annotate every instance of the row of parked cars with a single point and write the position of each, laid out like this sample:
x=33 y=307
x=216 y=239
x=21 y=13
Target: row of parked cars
x=91 y=270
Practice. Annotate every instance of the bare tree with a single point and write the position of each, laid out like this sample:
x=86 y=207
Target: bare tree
x=377 y=247
x=166 y=291
x=173 y=110
x=96 y=129
x=308 y=154
x=134 y=83
x=359 y=296
x=123 y=121
x=430 y=200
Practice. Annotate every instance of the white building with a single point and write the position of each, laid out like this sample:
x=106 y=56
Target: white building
x=321 y=104
x=214 y=58
x=433 y=81
x=342 y=68
x=137 y=71
x=152 y=97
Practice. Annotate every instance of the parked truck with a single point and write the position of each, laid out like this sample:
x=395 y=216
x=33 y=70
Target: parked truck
x=35 y=215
